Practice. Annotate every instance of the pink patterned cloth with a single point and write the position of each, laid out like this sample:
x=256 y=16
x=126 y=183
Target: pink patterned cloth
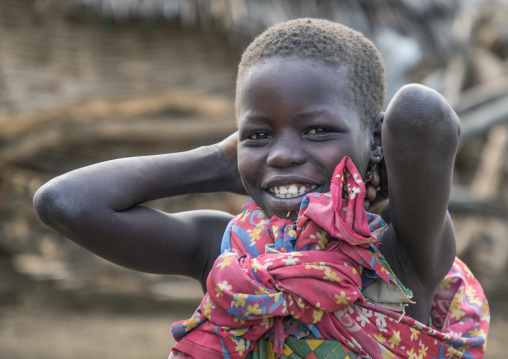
x=323 y=274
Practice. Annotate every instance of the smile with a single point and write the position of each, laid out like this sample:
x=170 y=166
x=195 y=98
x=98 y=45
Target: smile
x=291 y=190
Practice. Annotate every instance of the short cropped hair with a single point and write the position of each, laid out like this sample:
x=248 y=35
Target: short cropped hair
x=332 y=43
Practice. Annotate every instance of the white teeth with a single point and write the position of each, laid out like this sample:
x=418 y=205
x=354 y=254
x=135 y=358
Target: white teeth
x=292 y=190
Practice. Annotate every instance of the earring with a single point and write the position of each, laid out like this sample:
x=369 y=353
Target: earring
x=370 y=172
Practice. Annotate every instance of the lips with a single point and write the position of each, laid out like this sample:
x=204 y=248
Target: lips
x=291 y=190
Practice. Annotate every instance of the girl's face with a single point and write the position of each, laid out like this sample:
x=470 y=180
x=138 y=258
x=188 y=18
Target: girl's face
x=295 y=125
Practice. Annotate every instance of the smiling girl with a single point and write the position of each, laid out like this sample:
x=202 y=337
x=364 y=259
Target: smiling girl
x=304 y=262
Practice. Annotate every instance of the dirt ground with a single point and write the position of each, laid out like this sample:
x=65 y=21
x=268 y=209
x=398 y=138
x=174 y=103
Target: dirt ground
x=73 y=334
x=40 y=321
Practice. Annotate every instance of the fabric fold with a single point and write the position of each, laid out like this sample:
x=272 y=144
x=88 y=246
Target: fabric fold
x=322 y=275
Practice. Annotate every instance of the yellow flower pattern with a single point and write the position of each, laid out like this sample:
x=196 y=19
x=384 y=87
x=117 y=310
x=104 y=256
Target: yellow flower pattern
x=423 y=351
x=342 y=298
x=395 y=339
x=316 y=266
x=261 y=291
x=208 y=309
x=452 y=353
x=299 y=303
x=412 y=353
x=236 y=319
x=240 y=345
x=292 y=233
x=239 y=299
x=253 y=310
x=318 y=314
x=275 y=296
x=414 y=334
x=413 y=343
x=323 y=239
x=254 y=264
x=331 y=275
x=264 y=298
x=227 y=261
x=190 y=324
x=445 y=283
x=456 y=310
x=379 y=337
x=256 y=234
x=219 y=287
x=386 y=353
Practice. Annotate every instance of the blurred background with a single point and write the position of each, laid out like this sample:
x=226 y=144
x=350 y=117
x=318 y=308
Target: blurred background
x=83 y=81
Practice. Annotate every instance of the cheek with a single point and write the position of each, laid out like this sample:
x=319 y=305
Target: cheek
x=242 y=162
x=361 y=161
x=332 y=156
x=246 y=167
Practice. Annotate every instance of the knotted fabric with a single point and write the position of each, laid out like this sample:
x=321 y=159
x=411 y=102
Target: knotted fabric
x=277 y=278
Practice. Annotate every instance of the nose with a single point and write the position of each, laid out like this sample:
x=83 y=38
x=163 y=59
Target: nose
x=285 y=152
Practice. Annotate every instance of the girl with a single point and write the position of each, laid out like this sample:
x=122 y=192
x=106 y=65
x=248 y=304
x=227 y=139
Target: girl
x=303 y=261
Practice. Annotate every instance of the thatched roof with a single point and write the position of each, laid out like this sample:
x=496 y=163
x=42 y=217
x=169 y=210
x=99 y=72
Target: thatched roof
x=429 y=21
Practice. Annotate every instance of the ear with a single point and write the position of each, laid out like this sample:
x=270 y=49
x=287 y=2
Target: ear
x=376 y=146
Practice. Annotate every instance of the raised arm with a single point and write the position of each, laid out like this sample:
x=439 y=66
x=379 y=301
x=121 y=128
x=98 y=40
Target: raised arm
x=98 y=207
x=420 y=137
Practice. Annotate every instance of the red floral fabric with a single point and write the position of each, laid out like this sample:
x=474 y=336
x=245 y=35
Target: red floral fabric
x=277 y=278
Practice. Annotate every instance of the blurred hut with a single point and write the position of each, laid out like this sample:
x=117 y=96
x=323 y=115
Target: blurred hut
x=83 y=81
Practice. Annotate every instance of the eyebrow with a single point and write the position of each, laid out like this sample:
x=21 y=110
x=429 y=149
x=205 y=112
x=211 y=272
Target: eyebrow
x=324 y=114
x=311 y=114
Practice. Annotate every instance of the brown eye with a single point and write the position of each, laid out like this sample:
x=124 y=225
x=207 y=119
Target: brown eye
x=259 y=136
x=317 y=131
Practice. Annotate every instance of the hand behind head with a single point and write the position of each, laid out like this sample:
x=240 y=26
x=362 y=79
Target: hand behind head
x=377 y=188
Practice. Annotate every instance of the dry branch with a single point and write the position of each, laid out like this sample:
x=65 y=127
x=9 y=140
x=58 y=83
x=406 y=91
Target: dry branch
x=481 y=94
x=477 y=122
x=103 y=109
x=175 y=134
x=463 y=201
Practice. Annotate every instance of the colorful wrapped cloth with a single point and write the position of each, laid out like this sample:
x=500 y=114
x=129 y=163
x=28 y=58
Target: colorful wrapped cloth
x=323 y=275
x=305 y=348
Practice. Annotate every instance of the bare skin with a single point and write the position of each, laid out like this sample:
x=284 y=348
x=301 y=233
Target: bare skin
x=294 y=127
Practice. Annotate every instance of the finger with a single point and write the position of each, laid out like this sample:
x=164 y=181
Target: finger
x=371 y=193
x=375 y=179
x=366 y=204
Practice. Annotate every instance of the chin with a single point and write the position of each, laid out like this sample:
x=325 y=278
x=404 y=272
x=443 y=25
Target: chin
x=281 y=207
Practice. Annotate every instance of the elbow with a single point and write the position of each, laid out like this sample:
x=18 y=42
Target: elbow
x=420 y=115
x=54 y=208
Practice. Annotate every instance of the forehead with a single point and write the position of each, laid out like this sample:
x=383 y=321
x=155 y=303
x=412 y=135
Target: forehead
x=295 y=71
x=295 y=84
